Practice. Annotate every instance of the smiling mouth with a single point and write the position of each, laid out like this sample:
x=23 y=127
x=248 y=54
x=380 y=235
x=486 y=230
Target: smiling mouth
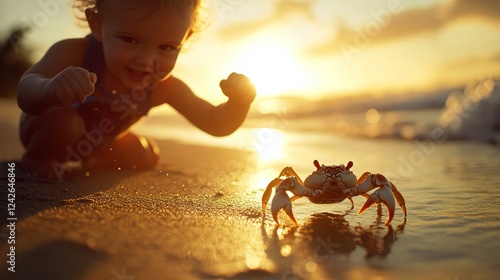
x=137 y=74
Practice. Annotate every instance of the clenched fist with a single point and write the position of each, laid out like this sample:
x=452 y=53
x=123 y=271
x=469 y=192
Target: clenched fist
x=71 y=85
x=238 y=87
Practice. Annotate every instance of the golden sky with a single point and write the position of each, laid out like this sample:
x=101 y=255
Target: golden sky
x=315 y=48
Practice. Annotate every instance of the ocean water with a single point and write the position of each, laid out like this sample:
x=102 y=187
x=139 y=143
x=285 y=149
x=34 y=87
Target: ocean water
x=445 y=161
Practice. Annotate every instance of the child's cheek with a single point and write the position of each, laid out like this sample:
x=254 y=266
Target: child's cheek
x=115 y=60
x=163 y=70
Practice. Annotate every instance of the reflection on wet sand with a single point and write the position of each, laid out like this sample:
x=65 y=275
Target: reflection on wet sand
x=322 y=245
x=373 y=239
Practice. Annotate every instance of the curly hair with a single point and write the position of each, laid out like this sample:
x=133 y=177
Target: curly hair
x=194 y=7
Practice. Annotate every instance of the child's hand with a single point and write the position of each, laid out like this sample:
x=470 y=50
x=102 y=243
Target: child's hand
x=71 y=85
x=239 y=88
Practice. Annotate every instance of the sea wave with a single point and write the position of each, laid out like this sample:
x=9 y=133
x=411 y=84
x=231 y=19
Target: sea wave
x=469 y=113
x=473 y=113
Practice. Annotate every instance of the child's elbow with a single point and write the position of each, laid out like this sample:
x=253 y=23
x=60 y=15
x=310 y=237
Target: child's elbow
x=23 y=104
x=27 y=107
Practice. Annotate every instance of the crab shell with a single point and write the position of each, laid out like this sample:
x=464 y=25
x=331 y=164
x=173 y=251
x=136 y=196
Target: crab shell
x=333 y=180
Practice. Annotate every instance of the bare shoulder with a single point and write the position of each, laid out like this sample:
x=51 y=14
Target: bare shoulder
x=68 y=52
x=170 y=91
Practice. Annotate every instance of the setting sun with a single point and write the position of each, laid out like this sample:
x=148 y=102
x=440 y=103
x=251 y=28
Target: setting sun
x=272 y=67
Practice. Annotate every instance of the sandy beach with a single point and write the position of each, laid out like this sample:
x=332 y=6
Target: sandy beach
x=197 y=215
x=155 y=224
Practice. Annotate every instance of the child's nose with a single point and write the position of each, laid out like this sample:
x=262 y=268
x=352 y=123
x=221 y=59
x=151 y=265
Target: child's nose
x=145 y=59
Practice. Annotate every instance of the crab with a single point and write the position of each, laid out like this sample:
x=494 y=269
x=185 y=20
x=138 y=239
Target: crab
x=331 y=184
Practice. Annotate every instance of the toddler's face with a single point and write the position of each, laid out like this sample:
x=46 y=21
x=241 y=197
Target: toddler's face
x=140 y=46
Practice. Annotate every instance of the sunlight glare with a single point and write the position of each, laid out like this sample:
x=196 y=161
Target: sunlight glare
x=260 y=181
x=252 y=262
x=286 y=250
x=372 y=116
x=269 y=144
x=273 y=68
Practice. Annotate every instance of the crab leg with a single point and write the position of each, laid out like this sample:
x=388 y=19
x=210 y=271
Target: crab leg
x=289 y=172
x=268 y=192
x=399 y=198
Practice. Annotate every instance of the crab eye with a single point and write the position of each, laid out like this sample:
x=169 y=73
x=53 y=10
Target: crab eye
x=349 y=165
x=316 y=163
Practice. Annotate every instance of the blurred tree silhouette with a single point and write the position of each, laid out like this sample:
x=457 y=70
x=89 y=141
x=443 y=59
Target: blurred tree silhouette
x=14 y=61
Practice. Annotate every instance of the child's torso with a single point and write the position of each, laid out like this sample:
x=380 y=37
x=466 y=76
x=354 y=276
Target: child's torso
x=119 y=110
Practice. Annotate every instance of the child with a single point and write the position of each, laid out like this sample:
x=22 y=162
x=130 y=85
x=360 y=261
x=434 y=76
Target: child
x=81 y=98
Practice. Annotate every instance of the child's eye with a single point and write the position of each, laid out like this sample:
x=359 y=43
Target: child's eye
x=168 y=48
x=128 y=40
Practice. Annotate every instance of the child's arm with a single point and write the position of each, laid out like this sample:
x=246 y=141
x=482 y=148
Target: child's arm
x=216 y=120
x=56 y=80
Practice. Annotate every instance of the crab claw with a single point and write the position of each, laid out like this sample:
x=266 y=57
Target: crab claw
x=282 y=201
x=382 y=195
